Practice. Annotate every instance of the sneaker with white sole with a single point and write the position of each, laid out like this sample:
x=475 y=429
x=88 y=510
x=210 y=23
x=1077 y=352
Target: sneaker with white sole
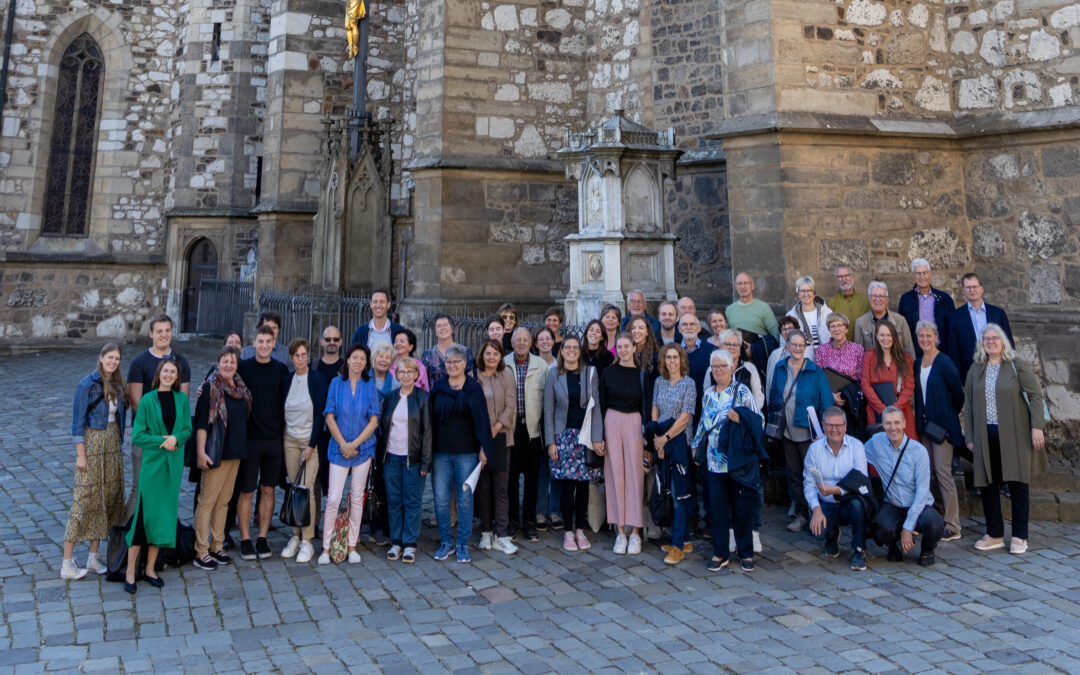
x=485 y=541
x=307 y=552
x=354 y=558
x=504 y=545
x=324 y=558
x=1017 y=546
x=292 y=548
x=69 y=570
x=633 y=545
x=569 y=543
x=988 y=543
x=620 y=544
x=757 y=542
x=393 y=553
x=95 y=565
x=409 y=555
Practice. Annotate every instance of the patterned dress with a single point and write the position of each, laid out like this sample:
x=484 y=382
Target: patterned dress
x=571 y=462
x=846 y=360
x=98 y=500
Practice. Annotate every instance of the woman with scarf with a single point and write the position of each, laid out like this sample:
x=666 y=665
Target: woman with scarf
x=222 y=406
x=812 y=314
x=461 y=440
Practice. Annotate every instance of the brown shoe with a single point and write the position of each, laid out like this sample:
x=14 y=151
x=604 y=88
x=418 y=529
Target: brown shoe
x=674 y=556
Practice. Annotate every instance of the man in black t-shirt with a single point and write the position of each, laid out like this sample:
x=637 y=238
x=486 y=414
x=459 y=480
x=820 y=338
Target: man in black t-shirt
x=329 y=366
x=265 y=379
x=140 y=380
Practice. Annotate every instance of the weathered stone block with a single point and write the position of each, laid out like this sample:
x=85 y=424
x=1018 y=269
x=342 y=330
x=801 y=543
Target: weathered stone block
x=894 y=168
x=986 y=242
x=1044 y=285
x=941 y=246
x=1039 y=235
x=1061 y=161
x=835 y=252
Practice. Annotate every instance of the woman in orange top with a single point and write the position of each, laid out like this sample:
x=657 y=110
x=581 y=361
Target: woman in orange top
x=888 y=363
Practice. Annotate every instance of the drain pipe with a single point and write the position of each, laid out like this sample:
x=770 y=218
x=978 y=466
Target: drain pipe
x=7 y=59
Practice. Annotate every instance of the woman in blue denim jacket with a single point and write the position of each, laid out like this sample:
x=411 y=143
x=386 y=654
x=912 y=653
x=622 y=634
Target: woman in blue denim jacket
x=97 y=427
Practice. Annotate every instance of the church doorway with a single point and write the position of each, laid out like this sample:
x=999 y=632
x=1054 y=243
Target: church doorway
x=202 y=263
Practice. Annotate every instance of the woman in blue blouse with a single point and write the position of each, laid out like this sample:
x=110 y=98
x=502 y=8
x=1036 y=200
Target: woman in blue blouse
x=352 y=415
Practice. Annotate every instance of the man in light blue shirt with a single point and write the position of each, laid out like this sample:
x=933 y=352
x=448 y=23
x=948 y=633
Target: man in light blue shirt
x=828 y=461
x=904 y=467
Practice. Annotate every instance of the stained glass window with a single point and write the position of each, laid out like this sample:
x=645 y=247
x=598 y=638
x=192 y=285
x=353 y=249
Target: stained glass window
x=71 y=154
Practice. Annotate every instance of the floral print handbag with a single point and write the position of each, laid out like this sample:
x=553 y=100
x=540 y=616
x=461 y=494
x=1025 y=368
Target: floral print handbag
x=339 y=539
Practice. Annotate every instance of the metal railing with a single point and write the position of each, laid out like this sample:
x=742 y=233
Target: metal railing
x=222 y=305
x=307 y=315
x=469 y=329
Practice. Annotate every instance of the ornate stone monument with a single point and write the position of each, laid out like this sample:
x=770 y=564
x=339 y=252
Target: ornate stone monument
x=622 y=243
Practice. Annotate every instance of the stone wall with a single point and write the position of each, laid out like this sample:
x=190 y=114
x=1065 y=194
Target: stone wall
x=618 y=54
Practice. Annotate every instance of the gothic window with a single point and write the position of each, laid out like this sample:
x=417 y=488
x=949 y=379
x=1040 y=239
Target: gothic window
x=71 y=154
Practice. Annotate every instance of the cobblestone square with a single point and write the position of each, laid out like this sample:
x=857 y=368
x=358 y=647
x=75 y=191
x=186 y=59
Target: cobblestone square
x=541 y=610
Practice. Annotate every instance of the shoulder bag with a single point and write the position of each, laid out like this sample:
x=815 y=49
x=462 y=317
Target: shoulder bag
x=1027 y=402
x=296 y=506
x=592 y=460
x=774 y=427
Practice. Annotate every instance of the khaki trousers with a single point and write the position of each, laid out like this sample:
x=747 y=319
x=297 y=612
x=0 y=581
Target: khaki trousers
x=941 y=455
x=294 y=449
x=214 y=496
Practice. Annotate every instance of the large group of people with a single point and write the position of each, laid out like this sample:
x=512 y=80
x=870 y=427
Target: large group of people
x=546 y=430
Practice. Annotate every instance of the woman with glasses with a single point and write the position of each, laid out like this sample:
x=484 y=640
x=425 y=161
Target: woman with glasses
x=1004 y=416
x=405 y=346
x=434 y=359
x=461 y=439
x=673 y=405
x=786 y=325
x=545 y=344
x=811 y=312
x=305 y=403
x=745 y=373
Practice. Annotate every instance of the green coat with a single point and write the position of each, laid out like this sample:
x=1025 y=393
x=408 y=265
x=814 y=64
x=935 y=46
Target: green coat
x=1019 y=460
x=159 y=478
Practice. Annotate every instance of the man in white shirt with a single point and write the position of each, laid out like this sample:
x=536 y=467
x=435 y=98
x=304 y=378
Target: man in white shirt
x=828 y=461
x=380 y=328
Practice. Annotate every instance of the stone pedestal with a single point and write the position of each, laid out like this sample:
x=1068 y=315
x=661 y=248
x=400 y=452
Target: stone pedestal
x=622 y=243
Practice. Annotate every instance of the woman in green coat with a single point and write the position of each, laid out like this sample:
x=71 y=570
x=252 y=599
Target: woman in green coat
x=1004 y=432
x=162 y=426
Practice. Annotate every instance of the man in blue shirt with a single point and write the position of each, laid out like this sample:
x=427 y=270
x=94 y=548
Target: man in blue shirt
x=904 y=467
x=828 y=461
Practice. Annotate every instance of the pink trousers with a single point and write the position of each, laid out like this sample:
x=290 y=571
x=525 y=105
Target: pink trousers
x=338 y=474
x=624 y=473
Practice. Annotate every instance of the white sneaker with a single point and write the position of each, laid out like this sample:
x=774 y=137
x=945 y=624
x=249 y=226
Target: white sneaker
x=324 y=558
x=731 y=540
x=504 y=545
x=69 y=570
x=757 y=542
x=633 y=547
x=354 y=558
x=1017 y=546
x=292 y=548
x=620 y=545
x=485 y=541
x=307 y=552
x=988 y=543
x=94 y=565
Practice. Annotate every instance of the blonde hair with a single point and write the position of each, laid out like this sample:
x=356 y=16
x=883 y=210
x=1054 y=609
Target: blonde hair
x=408 y=363
x=1007 y=351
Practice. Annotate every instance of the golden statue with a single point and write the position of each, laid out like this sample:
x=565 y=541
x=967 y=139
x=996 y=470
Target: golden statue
x=355 y=11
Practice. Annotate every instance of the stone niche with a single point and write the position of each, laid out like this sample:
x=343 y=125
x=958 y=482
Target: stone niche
x=623 y=242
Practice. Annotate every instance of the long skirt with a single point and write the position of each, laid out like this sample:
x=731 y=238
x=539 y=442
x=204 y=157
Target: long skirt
x=97 y=502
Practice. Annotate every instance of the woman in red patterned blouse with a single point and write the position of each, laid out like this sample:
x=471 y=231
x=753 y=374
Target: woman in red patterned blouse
x=839 y=353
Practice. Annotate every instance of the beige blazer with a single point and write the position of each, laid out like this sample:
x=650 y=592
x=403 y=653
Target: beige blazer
x=864 y=331
x=535 y=379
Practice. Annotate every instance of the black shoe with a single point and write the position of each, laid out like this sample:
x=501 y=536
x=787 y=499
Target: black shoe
x=247 y=549
x=530 y=532
x=262 y=549
x=512 y=531
x=156 y=582
x=957 y=467
x=381 y=539
x=895 y=554
x=832 y=548
x=541 y=524
x=556 y=522
x=747 y=564
x=858 y=560
x=207 y=562
x=221 y=557
x=926 y=559
x=716 y=564
x=229 y=543
x=130 y=588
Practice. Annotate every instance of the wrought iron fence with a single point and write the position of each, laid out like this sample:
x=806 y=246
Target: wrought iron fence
x=222 y=305
x=307 y=315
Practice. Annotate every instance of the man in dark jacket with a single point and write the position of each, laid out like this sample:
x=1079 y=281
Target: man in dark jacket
x=924 y=302
x=965 y=324
x=380 y=328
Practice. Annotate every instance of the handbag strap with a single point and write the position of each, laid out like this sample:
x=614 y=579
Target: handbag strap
x=300 y=473
x=896 y=468
x=1023 y=393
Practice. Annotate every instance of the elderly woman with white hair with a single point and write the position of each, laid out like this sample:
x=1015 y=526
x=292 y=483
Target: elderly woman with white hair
x=812 y=314
x=731 y=503
x=1004 y=417
x=382 y=363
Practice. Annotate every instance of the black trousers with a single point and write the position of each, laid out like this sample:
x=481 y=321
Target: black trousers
x=991 y=494
x=524 y=463
x=794 y=458
x=574 y=504
x=890 y=520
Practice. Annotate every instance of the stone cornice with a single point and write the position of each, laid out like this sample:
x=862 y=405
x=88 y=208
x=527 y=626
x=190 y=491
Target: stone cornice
x=218 y=213
x=500 y=163
x=84 y=258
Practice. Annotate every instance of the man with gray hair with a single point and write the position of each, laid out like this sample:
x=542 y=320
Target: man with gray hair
x=866 y=325
x=530 y=375
x=847 y=300
x=635 y=307
x=924 y=302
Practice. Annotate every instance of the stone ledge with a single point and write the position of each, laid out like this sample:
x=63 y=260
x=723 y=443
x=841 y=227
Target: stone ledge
x=495 y=163
x=217 y=213
x=310 y=208
x=84 y=258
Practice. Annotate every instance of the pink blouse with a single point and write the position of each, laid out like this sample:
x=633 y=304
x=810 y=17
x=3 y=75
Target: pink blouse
x=846 y=360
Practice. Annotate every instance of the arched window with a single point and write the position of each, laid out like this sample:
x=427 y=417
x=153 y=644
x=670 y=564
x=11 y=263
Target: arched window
x=71 y=154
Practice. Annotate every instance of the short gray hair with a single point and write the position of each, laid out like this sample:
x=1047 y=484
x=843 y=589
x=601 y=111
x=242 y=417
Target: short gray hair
x=877 y=284
x=728 y=333
x=920 y=262
x=721 y=355
x=457 y=352
x=635 y=292
x=926 y=325
x=805 y=280
x=889 y=410
x=837 y=316
x=521 y=329
x=834 y=411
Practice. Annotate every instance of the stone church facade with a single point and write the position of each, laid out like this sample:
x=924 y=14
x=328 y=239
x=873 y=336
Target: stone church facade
x=814 y=132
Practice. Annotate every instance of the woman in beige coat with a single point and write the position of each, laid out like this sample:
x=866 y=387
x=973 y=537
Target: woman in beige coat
x=1005 y=434
x=491 y=502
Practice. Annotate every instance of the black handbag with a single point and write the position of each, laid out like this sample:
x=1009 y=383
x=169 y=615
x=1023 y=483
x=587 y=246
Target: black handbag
x=934 y=431
x=296 y=506
x=184 y=550
x=661 y=503
x=116 y=559
x=373 y=505
x=774 y=426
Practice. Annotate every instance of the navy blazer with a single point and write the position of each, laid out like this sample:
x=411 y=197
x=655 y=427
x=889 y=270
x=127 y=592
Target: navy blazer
x=360 y=335
x=317 y=390
x=960 y=345
x=944 y=399
x=943 y=307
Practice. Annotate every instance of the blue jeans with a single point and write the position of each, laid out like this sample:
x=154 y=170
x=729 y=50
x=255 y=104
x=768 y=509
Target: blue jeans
x=548 y=492
x=731 y=505
x=404 y=493
x=682 y=508
x=448 y=476
x=850 y=513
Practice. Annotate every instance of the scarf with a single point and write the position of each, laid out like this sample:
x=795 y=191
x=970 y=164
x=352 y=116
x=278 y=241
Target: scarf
x=449 y=401
x=219 y=389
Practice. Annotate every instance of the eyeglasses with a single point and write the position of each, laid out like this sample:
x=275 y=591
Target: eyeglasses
x=879 y=297
x=723 y=366
x=991 y=338
x=455 y=362
x=835 y=426
x=733 y=344
x=805 y=290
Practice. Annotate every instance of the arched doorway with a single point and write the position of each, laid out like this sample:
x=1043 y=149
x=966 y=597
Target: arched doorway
x=202 y=263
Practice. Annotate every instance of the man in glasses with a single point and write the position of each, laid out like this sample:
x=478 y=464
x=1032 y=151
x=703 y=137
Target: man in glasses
x=329 y=366
x=828 y=461
x=966 y=322
x=140 y=379
x=847 y=300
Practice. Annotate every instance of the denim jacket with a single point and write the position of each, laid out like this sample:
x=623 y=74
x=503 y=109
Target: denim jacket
x=88 y=390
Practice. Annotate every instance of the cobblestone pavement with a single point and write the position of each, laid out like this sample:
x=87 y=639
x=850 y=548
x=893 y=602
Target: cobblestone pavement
x=541 y=610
